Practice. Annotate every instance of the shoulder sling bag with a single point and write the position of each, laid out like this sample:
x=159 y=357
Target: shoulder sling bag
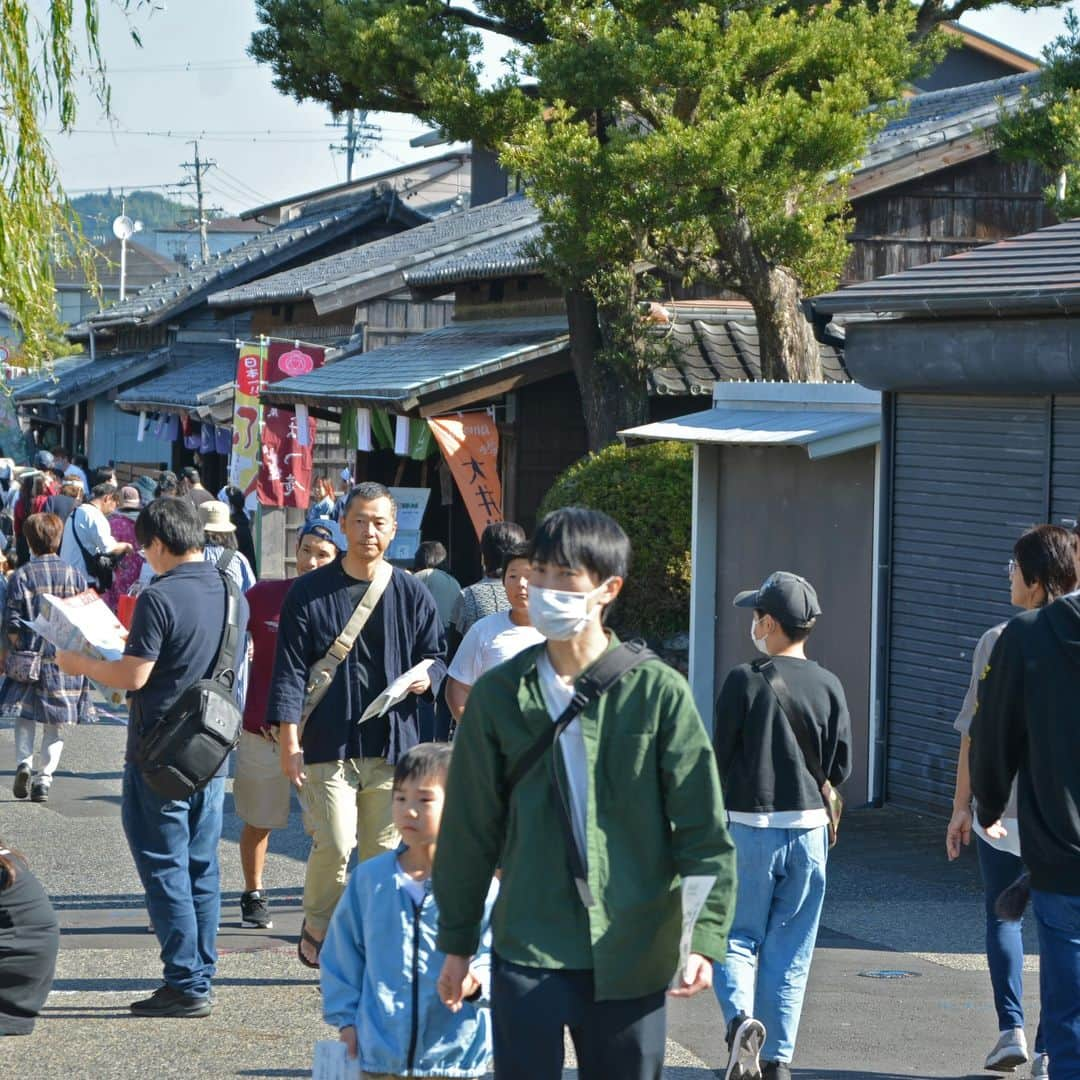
x=591 y=685
x=185 y=749
x=321 y=674
x=834 y=804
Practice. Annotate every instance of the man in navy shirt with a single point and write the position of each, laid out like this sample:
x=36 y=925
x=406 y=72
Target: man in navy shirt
x=344 y=769
x=174 y=640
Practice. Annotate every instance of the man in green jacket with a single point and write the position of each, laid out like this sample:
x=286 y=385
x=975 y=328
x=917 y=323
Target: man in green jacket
x=628 y=795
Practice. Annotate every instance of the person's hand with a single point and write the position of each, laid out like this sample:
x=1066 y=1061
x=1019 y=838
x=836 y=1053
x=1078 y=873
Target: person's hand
x=451 y=985
x=70 y=663
x=696 y=977
x=958 y=832
x=420 y=685
x=292 y=757
x=348 y=1036
x=997 y=831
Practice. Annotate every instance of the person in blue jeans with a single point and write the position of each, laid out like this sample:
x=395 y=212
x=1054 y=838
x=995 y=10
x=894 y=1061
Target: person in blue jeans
x=778 y=820
x=1041 y=570
x=1025 y=728
x=175 y=635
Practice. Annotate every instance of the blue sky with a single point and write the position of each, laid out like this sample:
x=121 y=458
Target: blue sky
x=192 y=77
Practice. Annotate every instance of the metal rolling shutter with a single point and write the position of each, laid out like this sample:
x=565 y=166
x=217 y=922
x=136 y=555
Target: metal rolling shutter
x=1065 y=476
x=969 y=475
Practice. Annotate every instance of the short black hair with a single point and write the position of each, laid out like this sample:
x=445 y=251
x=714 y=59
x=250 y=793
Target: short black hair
x=583 y=539
x=430 y=555
x=1045 y=555
x=369 y=491
x=496 y=540
x=518 y=551
x=101 y=475
x=102 y=490
x=175 y=522
x=190 y=474
x=429 y=760
x=794 y=634
x=167 y=484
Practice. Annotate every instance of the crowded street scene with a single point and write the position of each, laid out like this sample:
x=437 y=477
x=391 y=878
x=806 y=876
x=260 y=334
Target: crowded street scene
x=540 y=540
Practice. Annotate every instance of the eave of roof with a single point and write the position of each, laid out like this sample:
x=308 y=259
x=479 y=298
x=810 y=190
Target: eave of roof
x=84 y=379
x=194 y=385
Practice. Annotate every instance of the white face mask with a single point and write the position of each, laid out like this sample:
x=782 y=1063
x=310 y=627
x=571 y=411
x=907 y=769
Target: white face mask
x=759 y=643
x=559 y=615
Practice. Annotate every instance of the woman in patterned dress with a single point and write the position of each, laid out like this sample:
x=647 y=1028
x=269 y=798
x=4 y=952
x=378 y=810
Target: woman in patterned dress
x=52 y=699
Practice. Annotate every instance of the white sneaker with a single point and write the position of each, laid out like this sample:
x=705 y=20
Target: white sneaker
x=1040 y=1067
x=1011 y=1050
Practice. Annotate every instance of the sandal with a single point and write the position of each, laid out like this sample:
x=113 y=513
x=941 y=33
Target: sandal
x=315 y=943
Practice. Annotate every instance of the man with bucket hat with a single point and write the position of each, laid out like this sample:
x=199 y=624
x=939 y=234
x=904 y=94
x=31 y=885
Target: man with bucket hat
x=781 y=727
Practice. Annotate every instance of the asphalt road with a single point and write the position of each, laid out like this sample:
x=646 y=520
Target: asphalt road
x=894 y=906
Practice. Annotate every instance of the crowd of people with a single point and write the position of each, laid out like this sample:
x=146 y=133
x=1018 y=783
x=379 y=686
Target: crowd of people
x=545 y=836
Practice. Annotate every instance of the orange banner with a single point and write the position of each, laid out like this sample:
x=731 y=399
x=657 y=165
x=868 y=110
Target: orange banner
x=470 y=444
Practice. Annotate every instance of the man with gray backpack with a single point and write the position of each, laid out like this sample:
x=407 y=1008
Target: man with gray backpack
x=179 y=670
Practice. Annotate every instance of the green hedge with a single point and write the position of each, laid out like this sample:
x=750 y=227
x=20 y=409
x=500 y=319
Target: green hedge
x=648 y=490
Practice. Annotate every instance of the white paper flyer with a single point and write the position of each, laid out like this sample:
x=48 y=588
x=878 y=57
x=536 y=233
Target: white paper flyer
x=396 y=691
x=332 y=1062
x=695 y=891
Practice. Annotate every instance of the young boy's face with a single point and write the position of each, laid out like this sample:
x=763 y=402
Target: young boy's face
x=418 y=807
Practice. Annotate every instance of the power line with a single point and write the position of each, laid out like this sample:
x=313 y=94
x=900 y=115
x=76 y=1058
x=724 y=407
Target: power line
x=199 y=170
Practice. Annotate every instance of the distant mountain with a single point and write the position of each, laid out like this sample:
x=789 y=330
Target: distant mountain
x=97 y=211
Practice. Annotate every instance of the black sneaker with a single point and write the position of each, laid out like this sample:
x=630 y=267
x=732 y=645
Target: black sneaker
x=776 y=1070
x=21 y=788
x=168 y=1001
x=254 y=911
x=745 y=1037
x=39 y=791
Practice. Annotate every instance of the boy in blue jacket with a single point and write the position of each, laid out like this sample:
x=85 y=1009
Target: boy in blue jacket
x=379 y=963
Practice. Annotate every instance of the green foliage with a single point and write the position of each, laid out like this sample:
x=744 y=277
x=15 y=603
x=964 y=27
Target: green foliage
x=648 y=489
x=1045 y=127
x=97 y=210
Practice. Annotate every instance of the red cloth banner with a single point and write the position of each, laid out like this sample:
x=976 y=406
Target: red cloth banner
x=284 y=465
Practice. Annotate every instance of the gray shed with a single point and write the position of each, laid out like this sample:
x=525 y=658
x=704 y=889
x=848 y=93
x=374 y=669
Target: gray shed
x=784 y=479
x=977 y=359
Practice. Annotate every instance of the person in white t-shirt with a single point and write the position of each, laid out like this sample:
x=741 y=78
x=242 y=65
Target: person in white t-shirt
x=494 y=638
x=87 y=530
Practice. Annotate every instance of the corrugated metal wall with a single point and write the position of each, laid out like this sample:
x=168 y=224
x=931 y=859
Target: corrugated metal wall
x=969 y=475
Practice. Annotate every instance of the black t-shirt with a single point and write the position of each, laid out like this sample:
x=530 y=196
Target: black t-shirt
x=369 y=739
x=178 y=621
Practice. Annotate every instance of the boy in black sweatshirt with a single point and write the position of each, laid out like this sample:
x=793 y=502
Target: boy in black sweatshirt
x=778 y=820
x=1026 y=725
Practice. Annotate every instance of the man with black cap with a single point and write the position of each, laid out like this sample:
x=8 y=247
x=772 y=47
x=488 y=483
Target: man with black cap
x=778 y=820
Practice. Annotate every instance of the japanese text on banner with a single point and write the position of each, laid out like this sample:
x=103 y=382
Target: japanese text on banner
x=247 y=419
x=470 y=444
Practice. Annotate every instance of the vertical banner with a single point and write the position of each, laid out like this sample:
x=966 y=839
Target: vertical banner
x=247 y=419
x=286 y=462
x=470 y=444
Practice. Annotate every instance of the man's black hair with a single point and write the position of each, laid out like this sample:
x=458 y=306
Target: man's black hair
x=426 y=761
x=1045 y=556
x=190 y=474
x=430 y=555
x=583 y=540
x=100 y=491
x=495 y=541
x=518 y=551
x=101 y=475
x=369 y=491
x=175 y=522
x=793 y=633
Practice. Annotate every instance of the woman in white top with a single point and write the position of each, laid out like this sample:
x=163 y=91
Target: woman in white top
x=494 y=638
x=1042 y=569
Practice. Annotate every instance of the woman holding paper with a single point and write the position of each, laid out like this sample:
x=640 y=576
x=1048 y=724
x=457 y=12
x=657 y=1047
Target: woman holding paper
x=34 y=691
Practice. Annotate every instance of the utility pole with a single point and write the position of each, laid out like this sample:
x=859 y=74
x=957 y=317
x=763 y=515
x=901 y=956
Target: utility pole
x=199 y=168
x=360 y=136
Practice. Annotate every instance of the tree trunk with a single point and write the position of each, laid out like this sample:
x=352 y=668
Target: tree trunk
x=611 y=399
x=789 y=350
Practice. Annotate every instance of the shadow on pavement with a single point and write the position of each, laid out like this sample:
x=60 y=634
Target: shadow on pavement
x=860 y=1074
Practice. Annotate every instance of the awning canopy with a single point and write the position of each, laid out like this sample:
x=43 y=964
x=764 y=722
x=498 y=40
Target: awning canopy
x=69 y=381
x=201 y=387
x=441 y=370
x=824 y=418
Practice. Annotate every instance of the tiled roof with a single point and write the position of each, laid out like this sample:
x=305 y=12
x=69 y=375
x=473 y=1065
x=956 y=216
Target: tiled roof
x=198 y=381
x=715 y=348
x=941 y=116
x=514 y=253
x=319 y=222
x=416 y=246
x=1037 y=272
x=400 y=374
x=69 y=381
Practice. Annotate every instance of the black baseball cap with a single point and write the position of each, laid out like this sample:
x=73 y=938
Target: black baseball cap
x=788 y=598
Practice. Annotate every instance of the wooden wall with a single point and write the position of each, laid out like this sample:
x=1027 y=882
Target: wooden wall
x=978 y=202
